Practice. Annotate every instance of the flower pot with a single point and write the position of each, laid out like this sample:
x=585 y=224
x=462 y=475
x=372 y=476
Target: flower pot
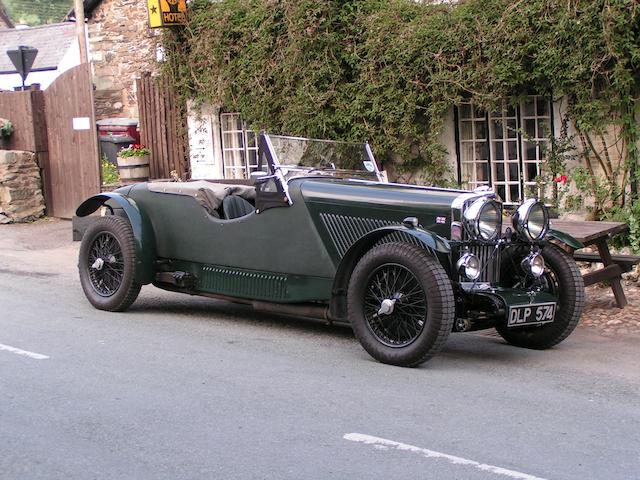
x=133 y=169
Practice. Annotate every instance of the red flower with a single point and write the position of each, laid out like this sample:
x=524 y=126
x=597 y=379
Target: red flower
x=561 y=179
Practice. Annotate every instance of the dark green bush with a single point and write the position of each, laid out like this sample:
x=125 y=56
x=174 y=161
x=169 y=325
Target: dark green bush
x=388 y=71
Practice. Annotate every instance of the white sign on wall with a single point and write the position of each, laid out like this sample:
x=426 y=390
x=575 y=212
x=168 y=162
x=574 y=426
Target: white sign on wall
x=204 y=142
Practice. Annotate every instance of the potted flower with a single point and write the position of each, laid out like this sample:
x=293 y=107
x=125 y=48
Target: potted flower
x=133 y=163
x=6 y=130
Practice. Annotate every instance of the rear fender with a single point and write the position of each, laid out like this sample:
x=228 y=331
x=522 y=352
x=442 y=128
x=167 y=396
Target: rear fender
x=140 y=225
x=432 y=242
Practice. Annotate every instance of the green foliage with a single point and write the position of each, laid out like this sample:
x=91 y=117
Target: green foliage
x=108 y=172
x=134 y=150
x=6 y=128
x=388 y=71
x=631 y=216
x=38 y=12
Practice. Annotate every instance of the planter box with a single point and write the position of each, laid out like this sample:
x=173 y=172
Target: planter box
x=133 y=169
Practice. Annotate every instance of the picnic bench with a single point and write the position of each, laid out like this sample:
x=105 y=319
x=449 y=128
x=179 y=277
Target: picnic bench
x=598 y=234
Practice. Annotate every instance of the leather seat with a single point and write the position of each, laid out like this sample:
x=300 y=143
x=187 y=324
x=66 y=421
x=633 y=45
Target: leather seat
x=235 y=207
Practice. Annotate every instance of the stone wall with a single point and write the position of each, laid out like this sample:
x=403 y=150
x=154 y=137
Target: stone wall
x=21 y=197
x=121 y=47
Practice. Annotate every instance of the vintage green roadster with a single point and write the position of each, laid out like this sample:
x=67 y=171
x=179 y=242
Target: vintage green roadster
x=318 y=232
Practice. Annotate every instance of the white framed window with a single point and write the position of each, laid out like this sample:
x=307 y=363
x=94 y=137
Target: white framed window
x=239 y=147
x=505 y=148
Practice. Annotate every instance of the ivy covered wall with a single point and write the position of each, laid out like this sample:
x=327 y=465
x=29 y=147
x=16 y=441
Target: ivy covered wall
x=389 y=71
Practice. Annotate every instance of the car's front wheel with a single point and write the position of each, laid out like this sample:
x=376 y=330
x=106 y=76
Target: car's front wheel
x=400 y=304
x=107 y=264
x=562 y=279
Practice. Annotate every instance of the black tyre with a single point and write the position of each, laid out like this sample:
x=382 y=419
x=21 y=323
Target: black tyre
x=562 y=278
x=107 y=264
x=400 y=304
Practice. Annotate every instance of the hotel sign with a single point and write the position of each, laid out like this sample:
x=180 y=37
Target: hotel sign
x=167 y=13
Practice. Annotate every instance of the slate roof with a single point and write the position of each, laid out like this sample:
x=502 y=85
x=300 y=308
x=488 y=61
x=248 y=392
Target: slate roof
x=52 y=42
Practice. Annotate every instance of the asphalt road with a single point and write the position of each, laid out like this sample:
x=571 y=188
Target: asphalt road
x=188 y=388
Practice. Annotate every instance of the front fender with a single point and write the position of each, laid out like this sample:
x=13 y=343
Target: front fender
x=140 y=225
x=430 y=241
x=564 y=238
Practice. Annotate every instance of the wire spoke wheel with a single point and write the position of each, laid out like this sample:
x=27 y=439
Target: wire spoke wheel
x=400 y=304
x=395 y=305
x=106 y=264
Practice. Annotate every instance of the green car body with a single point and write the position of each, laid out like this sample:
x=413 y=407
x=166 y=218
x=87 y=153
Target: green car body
x=306 y=236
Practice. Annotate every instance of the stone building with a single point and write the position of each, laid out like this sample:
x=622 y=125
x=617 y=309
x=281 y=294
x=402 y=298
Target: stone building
x=121 y=47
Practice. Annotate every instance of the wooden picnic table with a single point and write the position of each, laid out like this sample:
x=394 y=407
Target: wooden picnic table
x=598 y=234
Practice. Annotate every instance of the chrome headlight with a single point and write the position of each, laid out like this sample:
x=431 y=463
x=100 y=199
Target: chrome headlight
x=531 y=220
x=469 y=266
x=483 y=219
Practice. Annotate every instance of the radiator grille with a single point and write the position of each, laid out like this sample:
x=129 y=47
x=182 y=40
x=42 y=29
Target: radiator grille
x=243 y=283
x=345 y=230
x=490 y=262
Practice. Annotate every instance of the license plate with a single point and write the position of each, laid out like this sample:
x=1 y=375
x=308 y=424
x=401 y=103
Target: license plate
x=534 y=314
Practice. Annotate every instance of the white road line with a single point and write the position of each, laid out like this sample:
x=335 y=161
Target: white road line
x=25 y=353
x=383 y=443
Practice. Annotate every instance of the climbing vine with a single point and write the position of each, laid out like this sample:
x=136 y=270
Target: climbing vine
x=389 y=71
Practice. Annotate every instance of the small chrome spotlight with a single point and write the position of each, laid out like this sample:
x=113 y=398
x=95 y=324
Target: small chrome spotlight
x=469 y=266
x=534 y=264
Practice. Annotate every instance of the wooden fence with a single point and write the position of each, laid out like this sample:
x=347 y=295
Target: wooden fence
x=163 y=128
x=59 y=126
x=26 y=112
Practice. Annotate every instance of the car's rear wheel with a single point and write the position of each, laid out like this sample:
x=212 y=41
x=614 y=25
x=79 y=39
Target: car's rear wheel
x=107 y=264
x=400 y=304
x=562 y=279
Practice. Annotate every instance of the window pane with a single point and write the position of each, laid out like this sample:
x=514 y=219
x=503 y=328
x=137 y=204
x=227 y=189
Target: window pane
x=478 y=112
x=231 y=121
x=253 y=157
x=466 y=133
x=514 y=191
x=543 y=107
x=512 y=129
x=530 y=128
x=497 y=129
x=482 y=172
x=514 y=172
x=498 y=150
x=481 y=130
x=482 y=151
x=251 y=139
x=532 y=172
x=466 y=152
x=232 y=140
x=511 y=110
x=529 y=107
x=543 y=128
x=500 y=191
x=465 y=110
x=499 y=172
x=512 y=150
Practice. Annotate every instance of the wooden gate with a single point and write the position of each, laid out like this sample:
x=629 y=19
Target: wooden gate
x=163 y=128
x=71 y=171
x=59 y=126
